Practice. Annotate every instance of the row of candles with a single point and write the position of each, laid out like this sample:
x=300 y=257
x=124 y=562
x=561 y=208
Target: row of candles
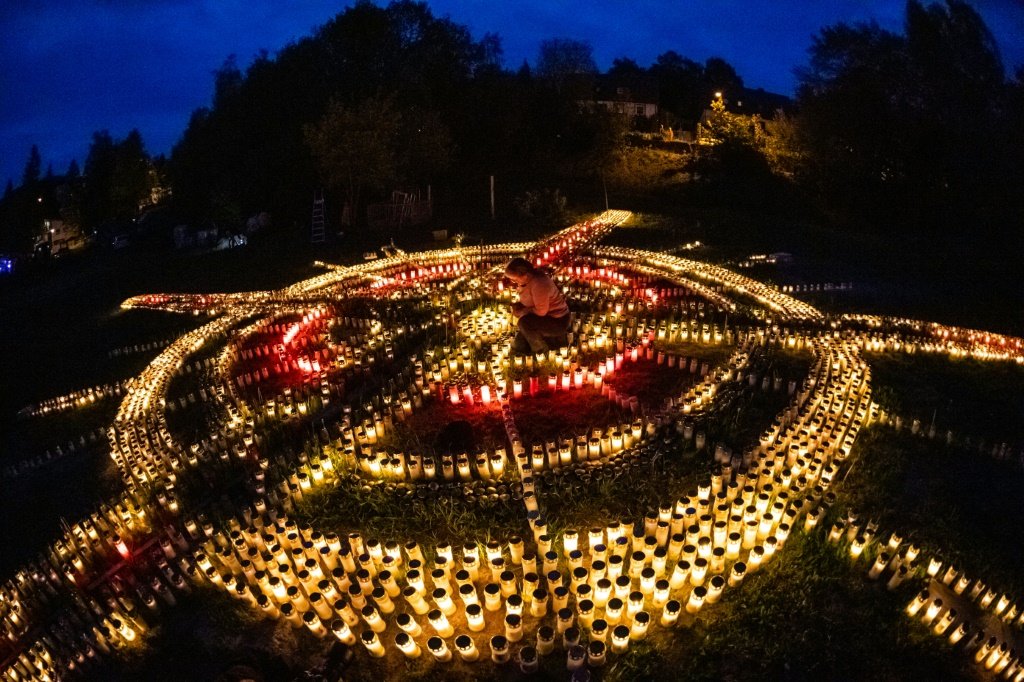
x=192 y=303
x=143 y=405
x=947 y=603
x=25 y=464
x=76 y=399
x=952 y=339
x=776 y=301
x=999 y=450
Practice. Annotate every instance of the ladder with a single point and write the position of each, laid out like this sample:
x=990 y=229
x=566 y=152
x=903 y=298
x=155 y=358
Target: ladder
x=319 y=232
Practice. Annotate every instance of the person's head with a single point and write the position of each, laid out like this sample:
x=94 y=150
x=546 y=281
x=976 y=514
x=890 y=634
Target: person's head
x=519 y=270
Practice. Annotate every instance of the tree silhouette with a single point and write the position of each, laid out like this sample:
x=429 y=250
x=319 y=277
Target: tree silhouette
x=33 y=167
x=564 y=62
x=355 y=147
x=909 y=122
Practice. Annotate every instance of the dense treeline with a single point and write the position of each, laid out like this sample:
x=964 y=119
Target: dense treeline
x=919 y=131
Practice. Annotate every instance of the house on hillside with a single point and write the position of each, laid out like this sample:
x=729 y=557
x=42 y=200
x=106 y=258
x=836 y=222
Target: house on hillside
x=58 y=236
x=636 y=97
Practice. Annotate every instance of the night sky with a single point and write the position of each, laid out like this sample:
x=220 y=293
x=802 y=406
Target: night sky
x=71 y=67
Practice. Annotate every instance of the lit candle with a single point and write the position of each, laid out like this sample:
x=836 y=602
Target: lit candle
x=467 y=648
x=641 y=621
x=513 y=627
x=440 y=623
x=696 y=600
x=620 y=639
x=407 y=623
x=499 y=649
x=475 y=617
x=439 y=649
x=342 y=632
x=670 y=613
x=372 y=643
x=613 y=611
x=407 y=645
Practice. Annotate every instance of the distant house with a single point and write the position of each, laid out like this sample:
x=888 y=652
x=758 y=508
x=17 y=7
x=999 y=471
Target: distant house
x=761 y=102
x=636 y=97
x=58 y=236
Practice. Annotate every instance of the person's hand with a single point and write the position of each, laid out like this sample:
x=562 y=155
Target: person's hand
x=518 y=309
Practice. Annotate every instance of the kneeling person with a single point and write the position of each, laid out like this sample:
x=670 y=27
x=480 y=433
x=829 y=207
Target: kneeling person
x=541 y=311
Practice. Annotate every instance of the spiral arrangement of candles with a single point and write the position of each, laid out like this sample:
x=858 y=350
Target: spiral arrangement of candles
x=294 y=354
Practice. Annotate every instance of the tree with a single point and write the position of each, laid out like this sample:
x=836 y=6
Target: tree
x=719 y=76
x=354 y=147
x=911 y=121
x=626 y=69
x=117 y=178
x=425 y=146
x=33 y=167
x=73 y=172
x=227 y=81
x=563 y=60
x=679 y=87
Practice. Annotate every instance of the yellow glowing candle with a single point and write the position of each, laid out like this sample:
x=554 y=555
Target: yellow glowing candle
x=513 y=627
x=475 y=617
x=499 y=649
x=407 y=645
x=917 y=603
x=514 y=605
x=439 y=649
x=696 y=600
x=408 y=624
x=670 y=613
x=341 y=630
x=467 y=648
x=440 y=623
x=372 y=643
x=620 y=639
x=641 y=621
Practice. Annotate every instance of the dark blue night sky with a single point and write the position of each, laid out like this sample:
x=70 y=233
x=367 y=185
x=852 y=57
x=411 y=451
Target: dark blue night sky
x=71 y=67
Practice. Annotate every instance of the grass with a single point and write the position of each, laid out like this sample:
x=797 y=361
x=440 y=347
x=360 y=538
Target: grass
x=806 y=616
x=206 y=635
x=963 y=506
x=972 y=397
x=428 y=519
x=433 y=429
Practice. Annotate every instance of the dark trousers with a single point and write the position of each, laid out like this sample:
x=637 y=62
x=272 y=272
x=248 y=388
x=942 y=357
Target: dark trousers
x=538 y=333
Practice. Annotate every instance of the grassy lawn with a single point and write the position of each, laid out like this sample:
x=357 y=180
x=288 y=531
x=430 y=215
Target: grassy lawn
x=974 y=398
x=807 y=616
x=963 y=505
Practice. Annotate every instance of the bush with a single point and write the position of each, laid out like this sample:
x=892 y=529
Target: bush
x=543 y=203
